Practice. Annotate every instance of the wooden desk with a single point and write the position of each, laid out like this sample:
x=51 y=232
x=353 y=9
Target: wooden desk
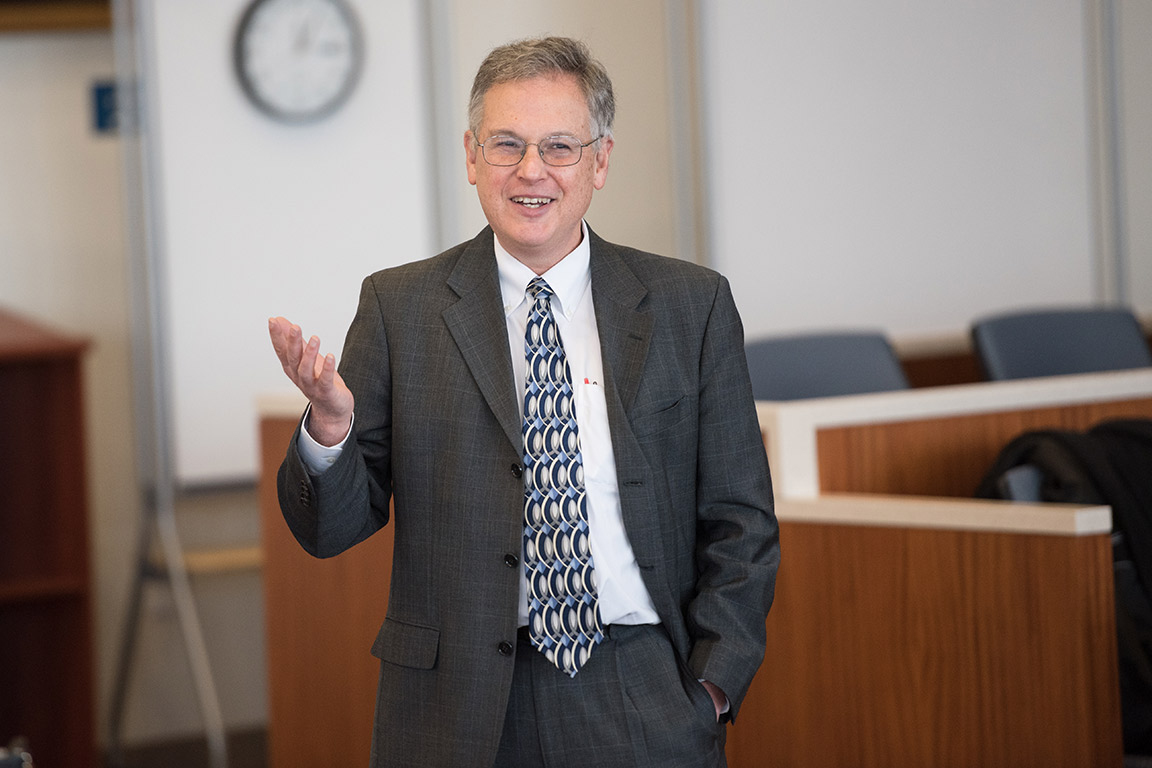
x=919 y=631
x=932 y=632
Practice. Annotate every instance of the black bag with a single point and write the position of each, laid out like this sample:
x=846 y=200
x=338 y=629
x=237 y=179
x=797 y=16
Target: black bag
x=1110 y=464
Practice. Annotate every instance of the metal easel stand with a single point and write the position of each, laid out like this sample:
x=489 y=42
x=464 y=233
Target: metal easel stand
x=160 y=523
x=134 y=63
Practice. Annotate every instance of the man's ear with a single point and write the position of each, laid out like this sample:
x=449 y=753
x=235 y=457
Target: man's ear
x=470 y=152
x=600 y=168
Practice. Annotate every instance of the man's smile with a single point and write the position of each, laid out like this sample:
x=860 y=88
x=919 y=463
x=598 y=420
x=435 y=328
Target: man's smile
x=532 y=202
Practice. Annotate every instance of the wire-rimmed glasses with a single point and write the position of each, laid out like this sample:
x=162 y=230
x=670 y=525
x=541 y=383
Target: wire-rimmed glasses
x=555 y=150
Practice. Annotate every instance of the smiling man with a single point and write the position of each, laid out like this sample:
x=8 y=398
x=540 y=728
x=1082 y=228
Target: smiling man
x=585 y=547
x=536 y=207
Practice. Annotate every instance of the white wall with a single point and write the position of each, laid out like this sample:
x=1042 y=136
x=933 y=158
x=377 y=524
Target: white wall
x=904 y=166
x=637 y=204
x=1134 y=49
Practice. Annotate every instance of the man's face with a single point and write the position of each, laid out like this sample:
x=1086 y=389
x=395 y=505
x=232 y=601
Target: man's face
x=534 y=208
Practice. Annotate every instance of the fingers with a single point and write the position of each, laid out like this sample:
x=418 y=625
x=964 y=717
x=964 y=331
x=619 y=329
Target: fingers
x=315 y=375
x=286 y=341
x=326 y=371
x=301 y=361
x=279 y=329
x=311 y=364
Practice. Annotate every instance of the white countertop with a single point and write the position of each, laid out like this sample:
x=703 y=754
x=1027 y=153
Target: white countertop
x=790 y=427
x=947 y=513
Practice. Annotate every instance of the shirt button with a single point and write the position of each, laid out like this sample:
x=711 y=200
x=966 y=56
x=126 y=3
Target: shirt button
x=517 y=470
x=511 y=560
x=505 y=648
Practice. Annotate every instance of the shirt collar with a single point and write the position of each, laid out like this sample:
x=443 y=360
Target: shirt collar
x=569 y=278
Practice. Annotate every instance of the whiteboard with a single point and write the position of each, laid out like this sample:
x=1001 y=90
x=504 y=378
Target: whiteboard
x=256 y=218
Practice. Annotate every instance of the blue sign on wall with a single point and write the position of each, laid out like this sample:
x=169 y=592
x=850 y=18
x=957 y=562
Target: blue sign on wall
x=105 y=115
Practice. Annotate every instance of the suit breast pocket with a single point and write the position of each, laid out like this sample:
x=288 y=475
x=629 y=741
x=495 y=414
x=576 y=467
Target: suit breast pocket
x=663 y=417
x=408 y=645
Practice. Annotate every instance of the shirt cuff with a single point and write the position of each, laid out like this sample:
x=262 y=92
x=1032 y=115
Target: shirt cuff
x=318 y=458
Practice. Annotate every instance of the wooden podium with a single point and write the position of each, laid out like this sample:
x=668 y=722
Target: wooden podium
x=46 y=679
x=321 y=617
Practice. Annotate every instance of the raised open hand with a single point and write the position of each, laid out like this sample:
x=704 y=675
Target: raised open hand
x=315 y=376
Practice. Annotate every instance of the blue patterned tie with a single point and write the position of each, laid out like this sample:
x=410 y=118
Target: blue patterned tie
x=563 y=615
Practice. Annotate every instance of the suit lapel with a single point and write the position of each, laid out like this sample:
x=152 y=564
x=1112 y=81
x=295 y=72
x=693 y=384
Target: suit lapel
x=478 y=325
x=625 y=329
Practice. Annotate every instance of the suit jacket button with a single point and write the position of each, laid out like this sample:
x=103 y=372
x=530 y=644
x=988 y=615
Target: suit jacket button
x=517 y=470
x=511 y=560
x=505 y=648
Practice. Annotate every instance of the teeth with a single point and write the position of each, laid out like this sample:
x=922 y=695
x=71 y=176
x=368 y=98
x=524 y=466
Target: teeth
x=532 y=202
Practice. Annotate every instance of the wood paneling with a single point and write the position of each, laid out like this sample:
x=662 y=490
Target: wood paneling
x=48 y=15
x=896 y=647
x=924 y=369
x=322 y=617
x=942 y=456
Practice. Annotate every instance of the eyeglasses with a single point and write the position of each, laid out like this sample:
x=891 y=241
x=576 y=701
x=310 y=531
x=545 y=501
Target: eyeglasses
x=554 y=150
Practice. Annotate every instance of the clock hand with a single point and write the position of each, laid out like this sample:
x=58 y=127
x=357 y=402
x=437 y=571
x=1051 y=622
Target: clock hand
x=305 y=34
x=303 y=37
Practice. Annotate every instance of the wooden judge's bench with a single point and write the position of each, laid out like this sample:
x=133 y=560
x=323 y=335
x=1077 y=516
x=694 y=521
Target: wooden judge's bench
x=913 y=626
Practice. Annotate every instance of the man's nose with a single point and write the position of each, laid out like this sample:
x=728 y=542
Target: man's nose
x=532 y=165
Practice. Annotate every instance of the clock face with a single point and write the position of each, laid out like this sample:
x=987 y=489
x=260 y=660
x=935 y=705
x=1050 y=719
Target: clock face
x=298 y=59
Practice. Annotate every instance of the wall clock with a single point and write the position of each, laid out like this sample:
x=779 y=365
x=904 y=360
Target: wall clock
x=298 y=60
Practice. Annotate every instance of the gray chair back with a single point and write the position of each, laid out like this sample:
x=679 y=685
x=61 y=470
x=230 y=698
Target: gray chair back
x=823 y=364
x=1052 y=342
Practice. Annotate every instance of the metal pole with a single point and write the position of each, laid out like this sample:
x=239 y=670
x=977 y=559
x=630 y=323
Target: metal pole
x=143 y=221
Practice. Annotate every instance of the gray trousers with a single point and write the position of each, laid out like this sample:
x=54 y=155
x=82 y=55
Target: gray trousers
x=633 y=704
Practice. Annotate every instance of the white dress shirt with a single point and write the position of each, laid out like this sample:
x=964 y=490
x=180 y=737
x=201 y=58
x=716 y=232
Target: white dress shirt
x=623 y=597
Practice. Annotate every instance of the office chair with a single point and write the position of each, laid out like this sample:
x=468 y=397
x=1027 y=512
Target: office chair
x=1022 y=345
x=823 y=365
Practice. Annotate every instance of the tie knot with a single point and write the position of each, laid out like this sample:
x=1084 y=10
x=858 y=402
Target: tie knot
x=539 y=289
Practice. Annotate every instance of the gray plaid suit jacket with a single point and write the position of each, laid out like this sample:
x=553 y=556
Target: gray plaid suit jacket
x=438 y=431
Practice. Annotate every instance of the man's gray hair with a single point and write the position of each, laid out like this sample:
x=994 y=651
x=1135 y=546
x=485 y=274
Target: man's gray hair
x=525 y=59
